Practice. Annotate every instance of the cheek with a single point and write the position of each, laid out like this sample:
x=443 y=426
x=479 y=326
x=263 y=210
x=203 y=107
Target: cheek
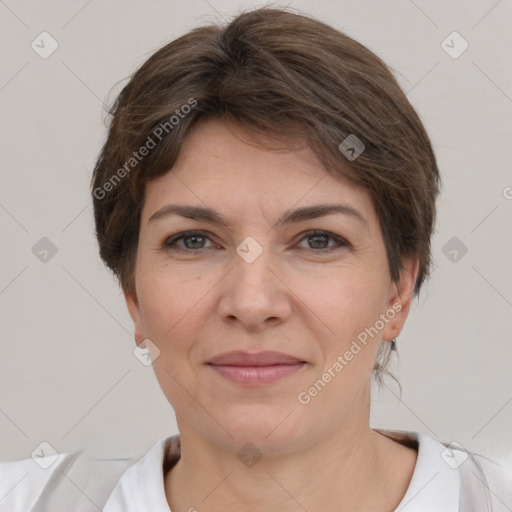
x=346 y=303
x=176 y=307
x=168 y=298
x=350 y=307
x=171 y=312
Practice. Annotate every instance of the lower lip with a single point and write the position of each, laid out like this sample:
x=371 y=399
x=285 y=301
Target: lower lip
x=256 y=375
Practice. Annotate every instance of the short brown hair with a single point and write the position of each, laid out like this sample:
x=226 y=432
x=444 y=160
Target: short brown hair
x=281 y=73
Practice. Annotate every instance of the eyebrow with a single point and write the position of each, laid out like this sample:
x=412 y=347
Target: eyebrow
x=289 y=217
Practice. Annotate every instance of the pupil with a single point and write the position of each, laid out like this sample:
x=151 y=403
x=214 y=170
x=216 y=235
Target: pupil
x=194 y=238
x=316 y=238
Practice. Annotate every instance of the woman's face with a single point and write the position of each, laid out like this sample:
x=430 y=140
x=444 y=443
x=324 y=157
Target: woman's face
x=263 y=282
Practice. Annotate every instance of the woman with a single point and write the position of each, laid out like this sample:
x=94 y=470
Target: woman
x=266 y=198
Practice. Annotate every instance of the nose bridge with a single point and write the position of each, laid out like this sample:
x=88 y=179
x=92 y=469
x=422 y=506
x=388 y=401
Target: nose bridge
x=253 y=265
x=253 y=292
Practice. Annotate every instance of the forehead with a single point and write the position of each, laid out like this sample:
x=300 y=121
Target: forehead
x=223 y=167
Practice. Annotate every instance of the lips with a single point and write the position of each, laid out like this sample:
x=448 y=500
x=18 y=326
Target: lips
x=262 y=368
x=240 y=358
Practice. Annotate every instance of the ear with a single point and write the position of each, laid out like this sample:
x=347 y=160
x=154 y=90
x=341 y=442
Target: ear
x=134 y=309
x=400 y=298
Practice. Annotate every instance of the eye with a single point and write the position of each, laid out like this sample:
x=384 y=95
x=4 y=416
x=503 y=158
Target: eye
x=193 y=241
x=318 y=240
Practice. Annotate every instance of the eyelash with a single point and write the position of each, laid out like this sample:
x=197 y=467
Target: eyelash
x=169 y=244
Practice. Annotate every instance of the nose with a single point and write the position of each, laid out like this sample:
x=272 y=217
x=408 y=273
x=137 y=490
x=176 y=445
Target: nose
x=254 y=293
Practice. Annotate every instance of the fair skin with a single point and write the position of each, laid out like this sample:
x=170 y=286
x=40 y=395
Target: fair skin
x=303 y=295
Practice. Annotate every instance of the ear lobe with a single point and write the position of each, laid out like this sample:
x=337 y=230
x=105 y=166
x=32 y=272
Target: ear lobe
x=400 y=299
x=133 y=306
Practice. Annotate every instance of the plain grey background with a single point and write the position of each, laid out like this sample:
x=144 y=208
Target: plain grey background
x=68 y=373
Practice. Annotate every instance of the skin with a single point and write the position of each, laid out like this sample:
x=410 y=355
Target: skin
x=293 y=298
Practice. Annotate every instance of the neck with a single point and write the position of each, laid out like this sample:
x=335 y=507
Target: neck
x=349 y=470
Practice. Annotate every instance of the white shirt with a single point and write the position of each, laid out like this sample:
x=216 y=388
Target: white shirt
x=445 y=479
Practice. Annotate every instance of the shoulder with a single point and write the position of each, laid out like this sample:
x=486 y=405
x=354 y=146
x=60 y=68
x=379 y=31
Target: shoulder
x=67 y=479
x=453 y=478
x=485 y=485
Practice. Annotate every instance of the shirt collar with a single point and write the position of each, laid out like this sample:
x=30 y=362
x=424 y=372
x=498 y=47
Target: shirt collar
x=434 y=484
x=141 y=487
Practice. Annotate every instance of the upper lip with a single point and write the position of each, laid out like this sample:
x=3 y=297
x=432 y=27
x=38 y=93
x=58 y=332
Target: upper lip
x=266 y=358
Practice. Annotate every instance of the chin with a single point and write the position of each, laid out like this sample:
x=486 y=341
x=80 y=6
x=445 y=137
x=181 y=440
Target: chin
x=271 y=430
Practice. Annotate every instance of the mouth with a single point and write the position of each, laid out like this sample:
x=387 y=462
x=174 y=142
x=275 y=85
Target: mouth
x=255 y=369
